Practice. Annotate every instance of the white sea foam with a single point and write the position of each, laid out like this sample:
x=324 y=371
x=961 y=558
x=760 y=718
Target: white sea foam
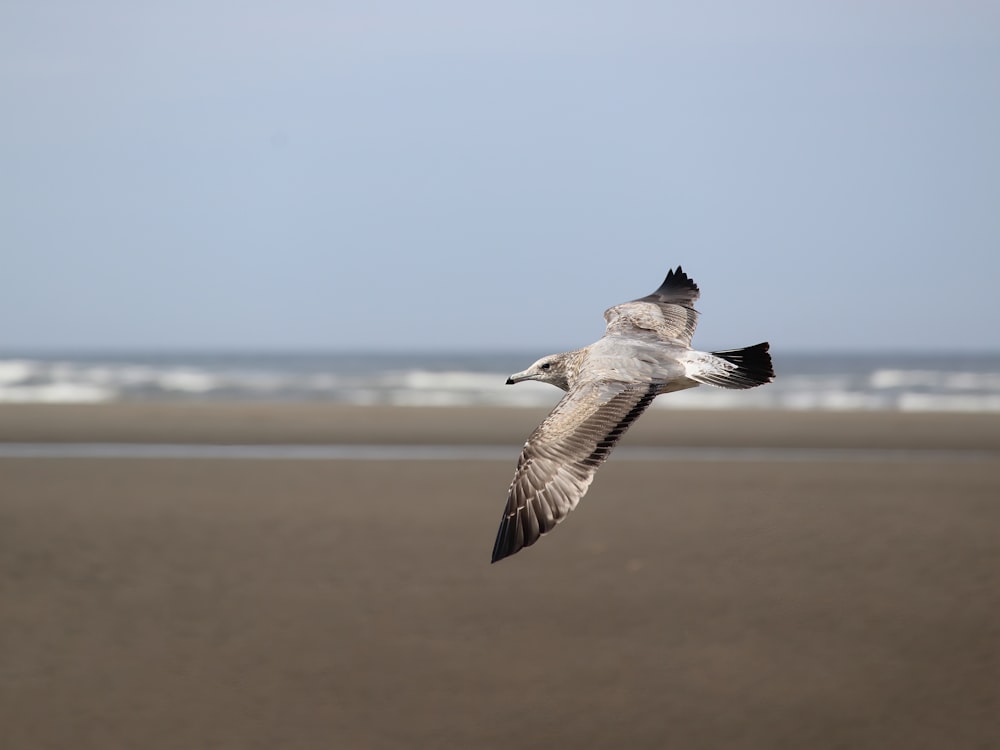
x=188 y=381
x=938 y=402
x=808 y=383
x=53 y=393
x=454 y=388
x=935 y=379
x=13 y=371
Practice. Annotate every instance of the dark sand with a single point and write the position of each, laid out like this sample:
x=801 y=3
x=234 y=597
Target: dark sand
x=351 y=604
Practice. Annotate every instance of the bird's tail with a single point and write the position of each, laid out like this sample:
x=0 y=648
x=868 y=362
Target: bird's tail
x=733 y=368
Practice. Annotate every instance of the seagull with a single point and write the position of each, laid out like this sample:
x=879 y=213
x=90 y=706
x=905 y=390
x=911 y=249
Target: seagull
x=645 y=351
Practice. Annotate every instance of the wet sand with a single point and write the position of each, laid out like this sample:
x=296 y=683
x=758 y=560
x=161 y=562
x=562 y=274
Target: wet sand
x=303 y=604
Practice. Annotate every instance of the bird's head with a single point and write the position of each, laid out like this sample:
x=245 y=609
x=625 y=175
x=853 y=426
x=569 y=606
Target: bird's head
x=552 y=369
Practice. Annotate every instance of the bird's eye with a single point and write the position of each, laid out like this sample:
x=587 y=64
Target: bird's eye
x=546 y=365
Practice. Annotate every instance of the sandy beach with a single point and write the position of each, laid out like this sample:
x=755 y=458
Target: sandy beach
x=773 y=603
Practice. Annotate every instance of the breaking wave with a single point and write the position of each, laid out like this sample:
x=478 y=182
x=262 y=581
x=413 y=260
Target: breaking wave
x=969 y=383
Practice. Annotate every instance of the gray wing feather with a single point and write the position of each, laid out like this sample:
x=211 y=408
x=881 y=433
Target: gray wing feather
x=558 y=461
x=667 y=314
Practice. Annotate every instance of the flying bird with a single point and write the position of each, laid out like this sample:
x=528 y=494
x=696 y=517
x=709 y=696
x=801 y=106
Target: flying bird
x=645 y=351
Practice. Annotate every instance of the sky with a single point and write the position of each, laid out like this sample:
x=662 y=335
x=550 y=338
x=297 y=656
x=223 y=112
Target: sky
x=466 y=176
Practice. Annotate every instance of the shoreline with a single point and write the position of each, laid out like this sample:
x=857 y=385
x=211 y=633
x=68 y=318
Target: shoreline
x=335 y=424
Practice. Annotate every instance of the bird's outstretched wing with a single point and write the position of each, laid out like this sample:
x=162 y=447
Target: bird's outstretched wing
x=667 y=314
x=558 y=461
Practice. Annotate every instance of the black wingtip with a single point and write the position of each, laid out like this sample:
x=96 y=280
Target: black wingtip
x=501 y=551
x=498 y=553
x=506 y=543
x=678 y=282
x=519 y=529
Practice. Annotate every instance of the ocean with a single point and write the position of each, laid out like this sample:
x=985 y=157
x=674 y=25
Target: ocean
x=832 y=382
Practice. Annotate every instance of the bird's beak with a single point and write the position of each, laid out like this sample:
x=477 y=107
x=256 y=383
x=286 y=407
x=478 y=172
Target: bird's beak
x=517 y=377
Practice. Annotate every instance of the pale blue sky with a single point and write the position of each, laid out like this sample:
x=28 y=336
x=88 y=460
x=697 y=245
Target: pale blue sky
x=461 y=175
